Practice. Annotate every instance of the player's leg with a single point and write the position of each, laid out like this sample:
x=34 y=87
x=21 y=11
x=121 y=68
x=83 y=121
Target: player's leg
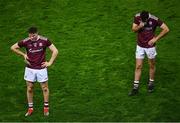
x=152 y=69
x=45 y=89
x=30 y=77
x=30 y=92
x=137 y=75
x=151 y=53
x=151 y=74
x=29 y=97
x=42 y=77
x=138 y=69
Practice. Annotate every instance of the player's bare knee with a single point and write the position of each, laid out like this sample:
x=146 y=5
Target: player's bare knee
x=30 y=89
x=138 y=67
x=45 y=89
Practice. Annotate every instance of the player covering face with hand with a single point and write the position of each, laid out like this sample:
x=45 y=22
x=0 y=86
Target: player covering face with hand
x=145 y=25
x=36 y=65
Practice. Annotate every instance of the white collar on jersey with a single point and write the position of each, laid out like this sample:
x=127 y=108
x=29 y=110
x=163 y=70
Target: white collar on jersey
x=150 y=15
x=38 y=37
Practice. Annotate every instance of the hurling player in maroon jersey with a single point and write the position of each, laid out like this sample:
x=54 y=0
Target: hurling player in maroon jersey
x=145 y=25
x=36 y=65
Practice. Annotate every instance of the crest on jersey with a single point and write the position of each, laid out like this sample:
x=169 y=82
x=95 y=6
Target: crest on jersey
x=150 y=22
x=35 y=44
x=40 y=44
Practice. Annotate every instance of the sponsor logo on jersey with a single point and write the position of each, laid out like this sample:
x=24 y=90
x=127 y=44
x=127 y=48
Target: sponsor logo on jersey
x=35 y=51
x=148 y=28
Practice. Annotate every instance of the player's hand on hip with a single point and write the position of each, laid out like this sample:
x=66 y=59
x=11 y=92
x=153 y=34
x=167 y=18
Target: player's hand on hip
x=152 y=41
x=45 y=64
x=25 y=56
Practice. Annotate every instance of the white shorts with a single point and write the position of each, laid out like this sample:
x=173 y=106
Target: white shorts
x=150 y=52
x=33 y=75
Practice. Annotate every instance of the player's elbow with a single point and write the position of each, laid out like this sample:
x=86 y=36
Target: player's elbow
x=167 y=30
x=55 y=51
x=12 y=48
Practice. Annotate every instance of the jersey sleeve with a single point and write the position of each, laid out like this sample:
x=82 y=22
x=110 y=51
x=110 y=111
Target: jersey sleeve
x=48 y=43
x=21 y=43
x=136 y=20
x=159 y=22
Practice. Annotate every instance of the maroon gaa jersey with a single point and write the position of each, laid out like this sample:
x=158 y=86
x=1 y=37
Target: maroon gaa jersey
x=36 y=51
x=146 y=33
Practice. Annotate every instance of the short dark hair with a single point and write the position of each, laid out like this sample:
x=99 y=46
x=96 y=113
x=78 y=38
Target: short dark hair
x=32 y=30
x=144 y=15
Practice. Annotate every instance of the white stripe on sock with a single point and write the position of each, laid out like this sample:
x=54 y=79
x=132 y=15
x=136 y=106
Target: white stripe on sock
x=30 y=104
x=136 y=82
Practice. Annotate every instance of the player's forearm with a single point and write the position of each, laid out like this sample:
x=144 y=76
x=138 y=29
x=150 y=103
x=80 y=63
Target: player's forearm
x=17 y=51
x=53 y=57
x=136 y=28
x=162 y=33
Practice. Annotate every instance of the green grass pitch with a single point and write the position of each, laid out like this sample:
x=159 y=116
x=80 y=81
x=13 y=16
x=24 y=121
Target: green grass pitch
x=92 y=75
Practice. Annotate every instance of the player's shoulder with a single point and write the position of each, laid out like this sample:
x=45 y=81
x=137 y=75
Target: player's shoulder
x=137 y=15
x=26 y=40
x=43 y=38
x=153 y=17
